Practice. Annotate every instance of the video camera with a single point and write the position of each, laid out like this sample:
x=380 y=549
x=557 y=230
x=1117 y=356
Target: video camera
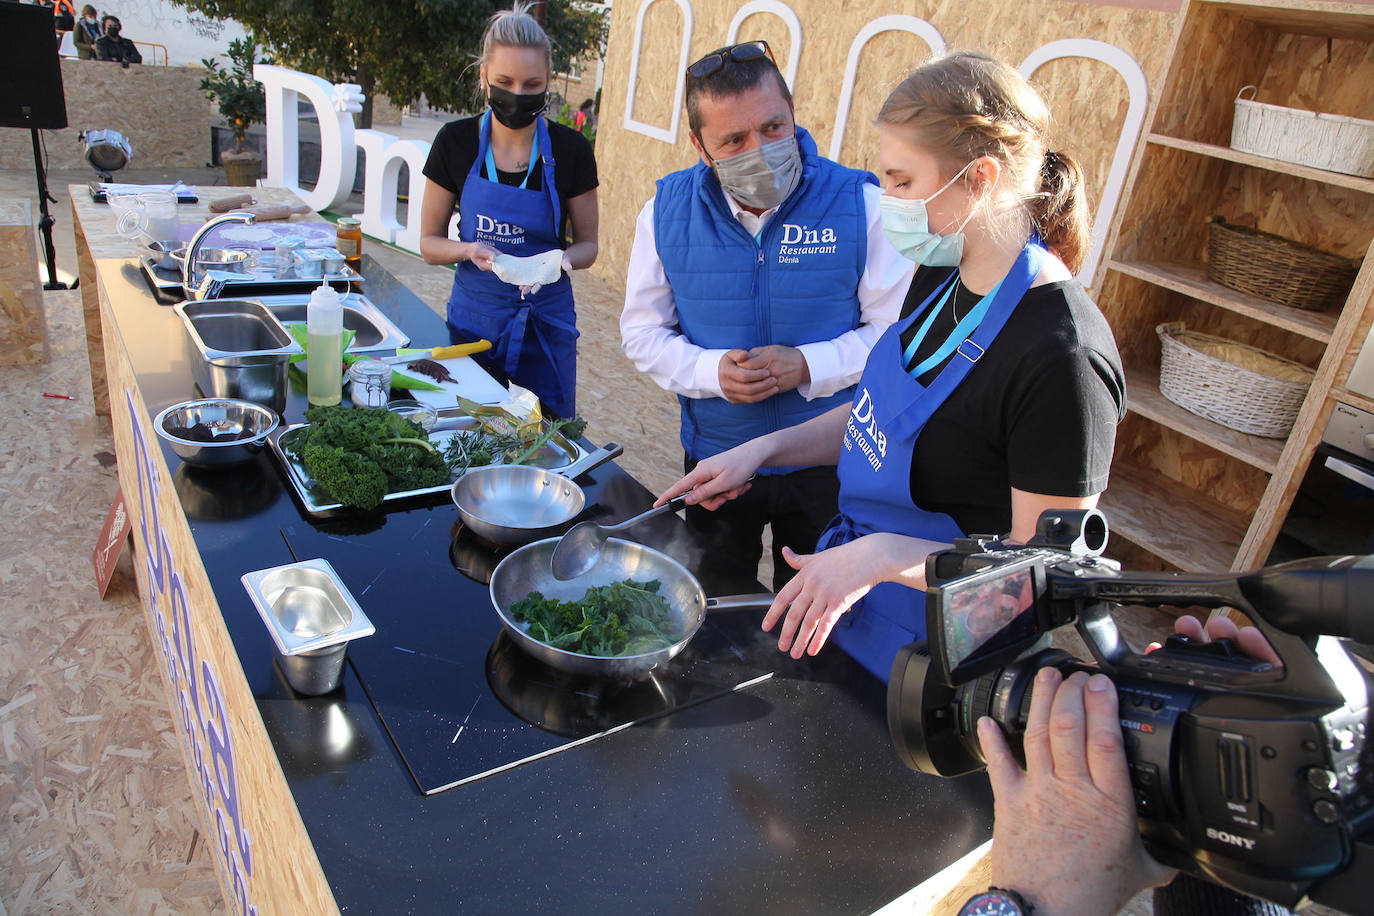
x=1260 y=777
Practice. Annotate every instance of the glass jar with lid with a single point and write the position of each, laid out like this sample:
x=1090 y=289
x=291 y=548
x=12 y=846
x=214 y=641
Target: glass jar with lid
x=349 y=232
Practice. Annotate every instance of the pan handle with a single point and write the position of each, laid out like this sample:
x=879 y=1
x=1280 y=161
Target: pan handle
x=592 y=460
x=739 y=602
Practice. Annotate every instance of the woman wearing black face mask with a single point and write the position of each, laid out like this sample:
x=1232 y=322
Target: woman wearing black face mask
x=519 y=183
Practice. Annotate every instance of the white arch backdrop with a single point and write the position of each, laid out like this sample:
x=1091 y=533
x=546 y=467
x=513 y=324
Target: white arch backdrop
x=794 y=31
x=1138 y=94
x=669 y=134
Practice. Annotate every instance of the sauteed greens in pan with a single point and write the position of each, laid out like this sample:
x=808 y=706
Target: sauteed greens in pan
x=623 y=618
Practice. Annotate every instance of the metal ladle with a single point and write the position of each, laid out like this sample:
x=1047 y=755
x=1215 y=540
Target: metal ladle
x=579 y=549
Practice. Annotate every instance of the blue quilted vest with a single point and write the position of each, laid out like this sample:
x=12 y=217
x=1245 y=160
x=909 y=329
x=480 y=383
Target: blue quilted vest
x=797 y=283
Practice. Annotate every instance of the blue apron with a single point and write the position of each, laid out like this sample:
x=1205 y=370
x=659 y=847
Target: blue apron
x=890 y=410
x=534 y=340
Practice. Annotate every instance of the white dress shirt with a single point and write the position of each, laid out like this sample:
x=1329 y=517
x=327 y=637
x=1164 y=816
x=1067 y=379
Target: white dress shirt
x=649 y=325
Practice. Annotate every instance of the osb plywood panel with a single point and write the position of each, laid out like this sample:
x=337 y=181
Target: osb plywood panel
x=1197 y=103
x=161 y=111
x=266 y=855
x=1310 y=73
x=1189 y=462
x=23 y=335
x=1088 y=96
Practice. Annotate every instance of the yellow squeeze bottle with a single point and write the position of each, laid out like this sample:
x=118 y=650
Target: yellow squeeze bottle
x=324 y=347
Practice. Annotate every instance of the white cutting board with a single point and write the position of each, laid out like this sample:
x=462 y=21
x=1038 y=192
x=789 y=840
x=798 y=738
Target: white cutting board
x=470 y=380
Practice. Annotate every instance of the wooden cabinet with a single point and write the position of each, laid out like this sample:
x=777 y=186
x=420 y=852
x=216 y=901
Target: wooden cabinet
x=1190 y=493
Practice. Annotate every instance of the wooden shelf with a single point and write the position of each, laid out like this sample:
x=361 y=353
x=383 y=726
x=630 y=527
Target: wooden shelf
x=1191 y=280
x=1351 y=182
x=1142 y=390
x=1306 y=17
x=1180 y=526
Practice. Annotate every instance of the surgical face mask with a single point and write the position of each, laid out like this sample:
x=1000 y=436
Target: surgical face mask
x=516 y=110
x=907 y=226
x=763 y=177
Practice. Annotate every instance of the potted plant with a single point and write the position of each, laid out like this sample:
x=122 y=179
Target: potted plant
x=242 y=102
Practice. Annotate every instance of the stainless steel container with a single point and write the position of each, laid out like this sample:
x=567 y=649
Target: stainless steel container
x=318 y=262
x=311 y=617
x=216 y=432
x=238 y=349
x=372 y=330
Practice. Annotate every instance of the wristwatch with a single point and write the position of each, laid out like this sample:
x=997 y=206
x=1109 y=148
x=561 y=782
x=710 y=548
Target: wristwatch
x=997 y=901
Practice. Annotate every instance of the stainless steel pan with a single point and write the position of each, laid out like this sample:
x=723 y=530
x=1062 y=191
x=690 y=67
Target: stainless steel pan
x=516 y=503
x=530 y=569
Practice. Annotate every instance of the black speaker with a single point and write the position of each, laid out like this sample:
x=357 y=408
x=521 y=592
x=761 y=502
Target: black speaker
x=30 y=72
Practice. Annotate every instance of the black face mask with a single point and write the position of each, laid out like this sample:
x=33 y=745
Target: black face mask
x=516 y=110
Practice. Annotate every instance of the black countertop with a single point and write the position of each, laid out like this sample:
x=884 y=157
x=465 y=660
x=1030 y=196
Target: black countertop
x=784 y=796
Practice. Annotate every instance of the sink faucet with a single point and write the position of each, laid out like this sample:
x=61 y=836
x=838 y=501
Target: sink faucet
x=189 y=280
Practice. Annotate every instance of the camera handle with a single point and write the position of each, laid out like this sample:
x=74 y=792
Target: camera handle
x=1294 y=605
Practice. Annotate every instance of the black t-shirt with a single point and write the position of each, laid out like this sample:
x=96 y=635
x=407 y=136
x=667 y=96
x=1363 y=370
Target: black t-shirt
x=455 y=148
x=1038 y=412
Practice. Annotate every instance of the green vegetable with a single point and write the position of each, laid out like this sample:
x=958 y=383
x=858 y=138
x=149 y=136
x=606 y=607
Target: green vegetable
x=623 y=618
x=360 y=454
x=478 y=448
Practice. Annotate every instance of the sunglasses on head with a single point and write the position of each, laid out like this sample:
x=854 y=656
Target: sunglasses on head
x=716 y=60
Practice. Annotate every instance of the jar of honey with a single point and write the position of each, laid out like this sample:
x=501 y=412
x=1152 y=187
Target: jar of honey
x=350 y=239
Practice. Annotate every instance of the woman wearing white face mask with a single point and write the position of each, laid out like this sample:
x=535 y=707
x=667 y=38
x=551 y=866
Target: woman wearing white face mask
x=519 y=183
x=994 y=397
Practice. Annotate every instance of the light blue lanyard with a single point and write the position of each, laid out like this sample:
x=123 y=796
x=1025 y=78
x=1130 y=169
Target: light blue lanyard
x=960 y=333
x=534 y=161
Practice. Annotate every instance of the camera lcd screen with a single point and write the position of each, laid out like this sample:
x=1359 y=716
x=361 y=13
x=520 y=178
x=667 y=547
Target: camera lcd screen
x=986 y=613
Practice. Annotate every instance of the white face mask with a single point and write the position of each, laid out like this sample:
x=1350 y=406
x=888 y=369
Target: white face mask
x=907 y=226
x=764 y=176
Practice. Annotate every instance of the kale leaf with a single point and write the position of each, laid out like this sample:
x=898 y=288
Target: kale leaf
x=623 y=618
x=360 y=454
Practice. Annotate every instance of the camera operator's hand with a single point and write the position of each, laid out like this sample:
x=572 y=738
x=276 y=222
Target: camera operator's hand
x=1065 y=835
x=1248 y=639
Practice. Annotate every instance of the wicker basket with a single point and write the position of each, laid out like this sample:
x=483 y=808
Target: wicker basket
x=1278 y=269
x=1231 y=383
x=1324 y=141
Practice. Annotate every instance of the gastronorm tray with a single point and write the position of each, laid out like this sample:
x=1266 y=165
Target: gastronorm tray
x=559 y=452
x=264 y=276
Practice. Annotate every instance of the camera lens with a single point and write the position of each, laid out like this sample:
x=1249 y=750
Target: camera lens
x=934 y=727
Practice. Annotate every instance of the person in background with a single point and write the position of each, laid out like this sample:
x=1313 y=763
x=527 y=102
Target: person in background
x=86 y=32
x=758 y=281
x=993 y=398
x=582 y=118
x=518 y=181
x=113 y=46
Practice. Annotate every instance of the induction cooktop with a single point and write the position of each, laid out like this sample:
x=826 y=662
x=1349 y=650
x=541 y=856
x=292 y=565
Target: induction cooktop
x=462 y=702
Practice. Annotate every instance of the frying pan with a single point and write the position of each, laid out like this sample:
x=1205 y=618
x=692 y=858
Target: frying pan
x=512 y=504
x=530 y=569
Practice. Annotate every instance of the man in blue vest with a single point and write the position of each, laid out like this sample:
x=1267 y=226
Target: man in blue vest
x=758 y=282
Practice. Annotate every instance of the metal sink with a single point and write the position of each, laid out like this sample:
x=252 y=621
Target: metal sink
x=374 y=331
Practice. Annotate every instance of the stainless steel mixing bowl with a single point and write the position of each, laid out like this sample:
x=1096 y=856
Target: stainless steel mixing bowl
x=216 y=432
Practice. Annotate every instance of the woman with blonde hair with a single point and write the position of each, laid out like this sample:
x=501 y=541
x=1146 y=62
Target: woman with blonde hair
x=994 y=397
x=519 y=182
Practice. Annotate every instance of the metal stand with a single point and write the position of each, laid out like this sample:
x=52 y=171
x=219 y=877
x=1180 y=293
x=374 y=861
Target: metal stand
x=46 y=221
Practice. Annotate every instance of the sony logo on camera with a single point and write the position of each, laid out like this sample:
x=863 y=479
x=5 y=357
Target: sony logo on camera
x=1222 y=836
